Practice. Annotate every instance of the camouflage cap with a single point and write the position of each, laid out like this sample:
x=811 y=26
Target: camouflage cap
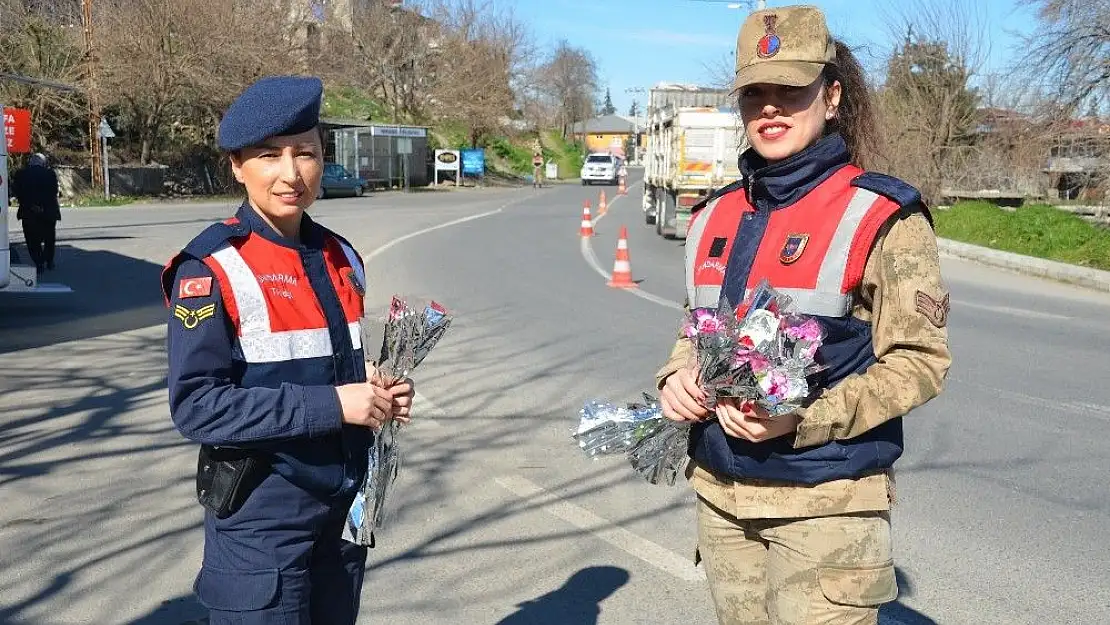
x=783 y=46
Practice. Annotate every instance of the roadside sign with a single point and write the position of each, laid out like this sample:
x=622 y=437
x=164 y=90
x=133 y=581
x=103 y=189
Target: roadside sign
x=474 y=162
x=17 y=130
x=106 y=130
x=447 y=160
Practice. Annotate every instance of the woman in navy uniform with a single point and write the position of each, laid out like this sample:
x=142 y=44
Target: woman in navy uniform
x=793 y=513
x=266 y=371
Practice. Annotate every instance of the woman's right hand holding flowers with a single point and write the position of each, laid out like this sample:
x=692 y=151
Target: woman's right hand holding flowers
x=682 y=399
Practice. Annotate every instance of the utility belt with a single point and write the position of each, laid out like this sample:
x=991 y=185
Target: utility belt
x=226 y=477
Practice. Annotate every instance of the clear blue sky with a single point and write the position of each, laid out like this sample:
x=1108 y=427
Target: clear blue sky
x=638 y=43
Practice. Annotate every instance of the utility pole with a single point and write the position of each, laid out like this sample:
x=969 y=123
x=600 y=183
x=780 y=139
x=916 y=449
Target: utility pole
x=95 y=155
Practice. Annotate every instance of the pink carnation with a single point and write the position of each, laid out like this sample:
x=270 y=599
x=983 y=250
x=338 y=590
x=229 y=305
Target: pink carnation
x=776 y=385
x=757 y=360
x=809 y=330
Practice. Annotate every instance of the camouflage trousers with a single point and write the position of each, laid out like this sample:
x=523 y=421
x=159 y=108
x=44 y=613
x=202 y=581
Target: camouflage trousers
x=833 y=570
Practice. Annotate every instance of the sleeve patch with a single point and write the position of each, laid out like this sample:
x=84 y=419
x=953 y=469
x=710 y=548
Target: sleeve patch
x=935 y=311
x=194 y=287
x=190 y=318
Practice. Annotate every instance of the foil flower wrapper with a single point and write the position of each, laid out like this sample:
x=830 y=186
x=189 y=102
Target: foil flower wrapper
x=409 y=333
x=654 y=445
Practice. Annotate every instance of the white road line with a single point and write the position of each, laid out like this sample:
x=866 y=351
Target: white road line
x=454 y=222
x=636 y=546
x=1018 y=312
x=587 y=250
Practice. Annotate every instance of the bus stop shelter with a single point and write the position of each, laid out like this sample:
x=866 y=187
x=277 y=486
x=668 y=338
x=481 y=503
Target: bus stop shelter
x=386 y=155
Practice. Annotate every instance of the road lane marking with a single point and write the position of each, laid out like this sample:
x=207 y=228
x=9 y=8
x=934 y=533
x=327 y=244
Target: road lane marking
x=454 y=222
x=628 y=542
x=590 y=257
x=1019 y=312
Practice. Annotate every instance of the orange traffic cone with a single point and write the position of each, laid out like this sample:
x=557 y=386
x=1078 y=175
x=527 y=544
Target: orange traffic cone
x=587 y=228
x=622 y=268
x=602 y=206
x=621 y=189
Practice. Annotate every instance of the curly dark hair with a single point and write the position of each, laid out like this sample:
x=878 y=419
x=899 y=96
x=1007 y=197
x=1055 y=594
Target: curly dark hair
x=855 y=117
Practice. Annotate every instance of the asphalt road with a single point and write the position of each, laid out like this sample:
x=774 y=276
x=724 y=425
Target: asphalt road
x=1004 y=496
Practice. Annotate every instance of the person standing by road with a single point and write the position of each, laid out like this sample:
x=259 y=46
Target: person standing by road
x=266 y=372
x=537 y=170
x=794 y=513
x=36 y=189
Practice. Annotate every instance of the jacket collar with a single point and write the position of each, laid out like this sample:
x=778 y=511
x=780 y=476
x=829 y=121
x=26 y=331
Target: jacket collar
x=781 y=184
x=251 y=221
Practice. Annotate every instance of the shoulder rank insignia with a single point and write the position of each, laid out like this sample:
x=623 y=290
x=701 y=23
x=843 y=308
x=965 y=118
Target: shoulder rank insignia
x=935 y=311
x=191 y=318
x=793 y=247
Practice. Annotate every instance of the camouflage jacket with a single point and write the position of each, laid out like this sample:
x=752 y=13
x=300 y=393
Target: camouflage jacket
x=904 y=298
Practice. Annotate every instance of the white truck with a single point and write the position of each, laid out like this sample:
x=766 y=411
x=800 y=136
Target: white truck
x=694 y=140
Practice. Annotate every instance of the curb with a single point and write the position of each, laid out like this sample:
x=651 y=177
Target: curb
x=1053 y=270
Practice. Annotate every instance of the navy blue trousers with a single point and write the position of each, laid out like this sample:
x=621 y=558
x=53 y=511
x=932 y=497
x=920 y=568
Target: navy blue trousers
x=280 y=559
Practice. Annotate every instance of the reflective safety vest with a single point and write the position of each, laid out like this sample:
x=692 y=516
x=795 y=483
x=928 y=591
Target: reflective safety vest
x=277 y=315
x=814 y=251
x=295 y=311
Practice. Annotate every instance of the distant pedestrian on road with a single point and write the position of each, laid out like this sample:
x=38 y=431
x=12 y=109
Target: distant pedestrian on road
x=537 y=170
x=267 y=373
x=794 y=513
x=36 y=189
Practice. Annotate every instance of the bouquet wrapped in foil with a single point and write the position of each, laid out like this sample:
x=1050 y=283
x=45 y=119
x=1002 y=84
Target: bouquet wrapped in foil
x=762 y=351
x=410 y=333
x=655 y=446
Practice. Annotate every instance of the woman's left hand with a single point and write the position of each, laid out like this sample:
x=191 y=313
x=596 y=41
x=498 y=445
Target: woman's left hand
x=743 y=419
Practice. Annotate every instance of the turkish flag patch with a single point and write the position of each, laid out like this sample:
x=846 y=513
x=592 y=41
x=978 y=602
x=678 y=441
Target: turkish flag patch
x=194 y=287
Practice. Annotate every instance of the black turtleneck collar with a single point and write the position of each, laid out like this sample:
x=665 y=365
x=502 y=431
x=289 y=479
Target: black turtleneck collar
x=309 y=234
x=778 y=185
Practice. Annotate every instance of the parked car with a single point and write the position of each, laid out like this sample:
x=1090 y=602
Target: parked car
x=338 y=181
x=600 y=167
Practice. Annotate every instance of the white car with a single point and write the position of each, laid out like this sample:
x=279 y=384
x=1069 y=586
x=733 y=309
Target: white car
x=600 y=167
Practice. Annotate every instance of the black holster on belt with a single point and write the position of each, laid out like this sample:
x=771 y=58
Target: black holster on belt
x=226 y=476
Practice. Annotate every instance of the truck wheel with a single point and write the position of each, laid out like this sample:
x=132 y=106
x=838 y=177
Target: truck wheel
x=660 y=211
x=668 y=226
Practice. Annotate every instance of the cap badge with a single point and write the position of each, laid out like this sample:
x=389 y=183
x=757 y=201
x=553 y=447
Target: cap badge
x=769 y=44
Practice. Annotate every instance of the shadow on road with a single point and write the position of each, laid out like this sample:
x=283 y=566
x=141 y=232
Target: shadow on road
x=897 y=613
x=111 y=293
x=184 y=610
x=577 y=602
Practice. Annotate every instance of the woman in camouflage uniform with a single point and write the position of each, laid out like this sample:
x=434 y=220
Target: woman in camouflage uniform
x=793 y=513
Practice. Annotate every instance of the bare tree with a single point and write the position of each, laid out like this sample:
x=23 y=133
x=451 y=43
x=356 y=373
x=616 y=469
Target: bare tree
x=39 y=41
x=1068 y=55
x=721 y=71
x=165 y=62
x=927 y=106
x=570 y=82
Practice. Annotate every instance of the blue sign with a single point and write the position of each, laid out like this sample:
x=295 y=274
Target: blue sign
x=474 y=162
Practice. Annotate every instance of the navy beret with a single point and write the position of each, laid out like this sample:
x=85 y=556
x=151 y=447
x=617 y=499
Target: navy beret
x=272 y=106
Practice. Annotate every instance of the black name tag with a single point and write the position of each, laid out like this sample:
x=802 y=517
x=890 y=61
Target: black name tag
x=717 y=248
